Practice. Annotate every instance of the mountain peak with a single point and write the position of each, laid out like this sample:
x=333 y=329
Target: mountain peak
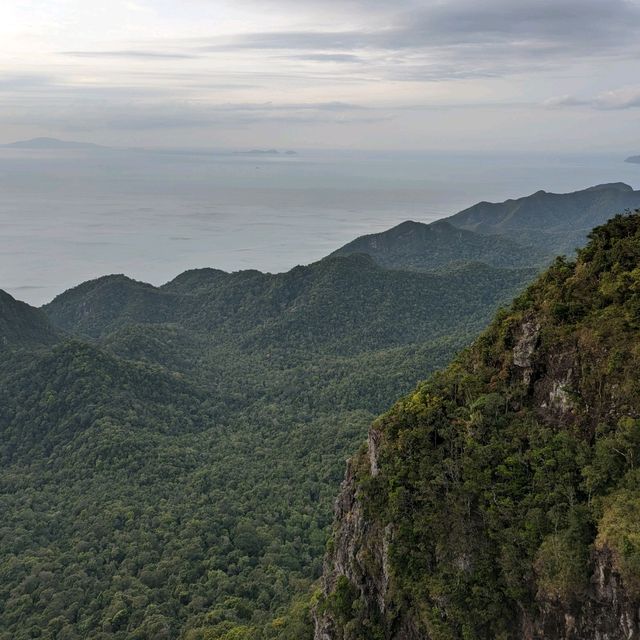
x=556 y=223
x=612 y=186
x=195 y=279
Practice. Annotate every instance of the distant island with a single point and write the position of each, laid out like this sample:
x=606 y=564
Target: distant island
x=54 y=144
x=633 y=159
x=50 y=143
x=265 y=152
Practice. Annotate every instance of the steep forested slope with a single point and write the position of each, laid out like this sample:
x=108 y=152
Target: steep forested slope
x=500 y=499
x=23 y=325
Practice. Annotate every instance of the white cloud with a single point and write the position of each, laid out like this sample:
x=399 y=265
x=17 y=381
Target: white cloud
x=615 y=99
x=625 y=98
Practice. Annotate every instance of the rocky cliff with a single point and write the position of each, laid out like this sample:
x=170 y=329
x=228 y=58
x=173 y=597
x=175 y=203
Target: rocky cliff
x=502 y=498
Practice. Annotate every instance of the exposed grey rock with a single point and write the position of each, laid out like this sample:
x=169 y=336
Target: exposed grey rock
x=525 y=348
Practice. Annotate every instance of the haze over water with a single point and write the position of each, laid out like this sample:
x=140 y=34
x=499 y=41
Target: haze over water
x=68 y=216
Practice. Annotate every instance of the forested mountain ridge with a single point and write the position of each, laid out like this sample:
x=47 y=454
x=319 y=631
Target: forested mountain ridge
x=414 y=245
x=22 y=325
x=557 y=223
x=500 y=498
x=527 y=231
x=341 y=305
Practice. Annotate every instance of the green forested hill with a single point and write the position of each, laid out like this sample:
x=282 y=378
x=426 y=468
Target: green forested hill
x=338 y=305
x=500 y=499
x=414 y=245
x=528 y=231
x=557 y=223
x=170 y=471
x=23 y=325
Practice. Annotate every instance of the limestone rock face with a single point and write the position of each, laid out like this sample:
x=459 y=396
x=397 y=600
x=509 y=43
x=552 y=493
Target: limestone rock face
x=525 y=348
x=607 y=613
x=360 y=552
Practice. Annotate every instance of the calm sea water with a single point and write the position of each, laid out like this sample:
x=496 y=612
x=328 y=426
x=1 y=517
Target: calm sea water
x=67 y=216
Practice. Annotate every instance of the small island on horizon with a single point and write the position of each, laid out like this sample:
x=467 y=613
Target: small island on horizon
x=50 y=143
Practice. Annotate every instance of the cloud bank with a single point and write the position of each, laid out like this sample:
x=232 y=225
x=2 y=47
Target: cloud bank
x=224 y=66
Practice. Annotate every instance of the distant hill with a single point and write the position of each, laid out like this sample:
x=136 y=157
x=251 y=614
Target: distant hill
x=527 y=231
x=414 y=245
x=633 y=159
x=23 y=325
x=557 y=223
x=50 y=143
x=337 y=305
x=260 y=152
x=99 y=305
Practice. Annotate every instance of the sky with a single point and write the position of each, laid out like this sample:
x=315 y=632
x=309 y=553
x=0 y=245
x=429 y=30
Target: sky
x=368 y=74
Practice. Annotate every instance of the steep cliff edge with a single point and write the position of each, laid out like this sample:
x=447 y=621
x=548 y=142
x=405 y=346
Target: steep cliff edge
x=501 y=500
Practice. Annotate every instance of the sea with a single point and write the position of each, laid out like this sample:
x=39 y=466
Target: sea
x=70 y=215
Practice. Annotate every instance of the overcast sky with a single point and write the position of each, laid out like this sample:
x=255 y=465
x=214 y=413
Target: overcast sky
x=429 y=74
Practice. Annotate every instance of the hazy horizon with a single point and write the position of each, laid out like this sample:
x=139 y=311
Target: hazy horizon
x=69 y=216
x=412 y=109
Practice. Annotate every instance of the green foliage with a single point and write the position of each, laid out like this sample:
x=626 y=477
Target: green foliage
x=615 y=450
x=498 y=485
x=619 y=532
x=343 y=306
x=297 y=624
x=23 y=326
x=175 y=476
x=341 y=601
x=561 y=565
x=441 y=245
x=555 y=223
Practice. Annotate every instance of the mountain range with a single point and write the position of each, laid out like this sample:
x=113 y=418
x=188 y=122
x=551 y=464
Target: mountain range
x=530 y=230
x=170 y=454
